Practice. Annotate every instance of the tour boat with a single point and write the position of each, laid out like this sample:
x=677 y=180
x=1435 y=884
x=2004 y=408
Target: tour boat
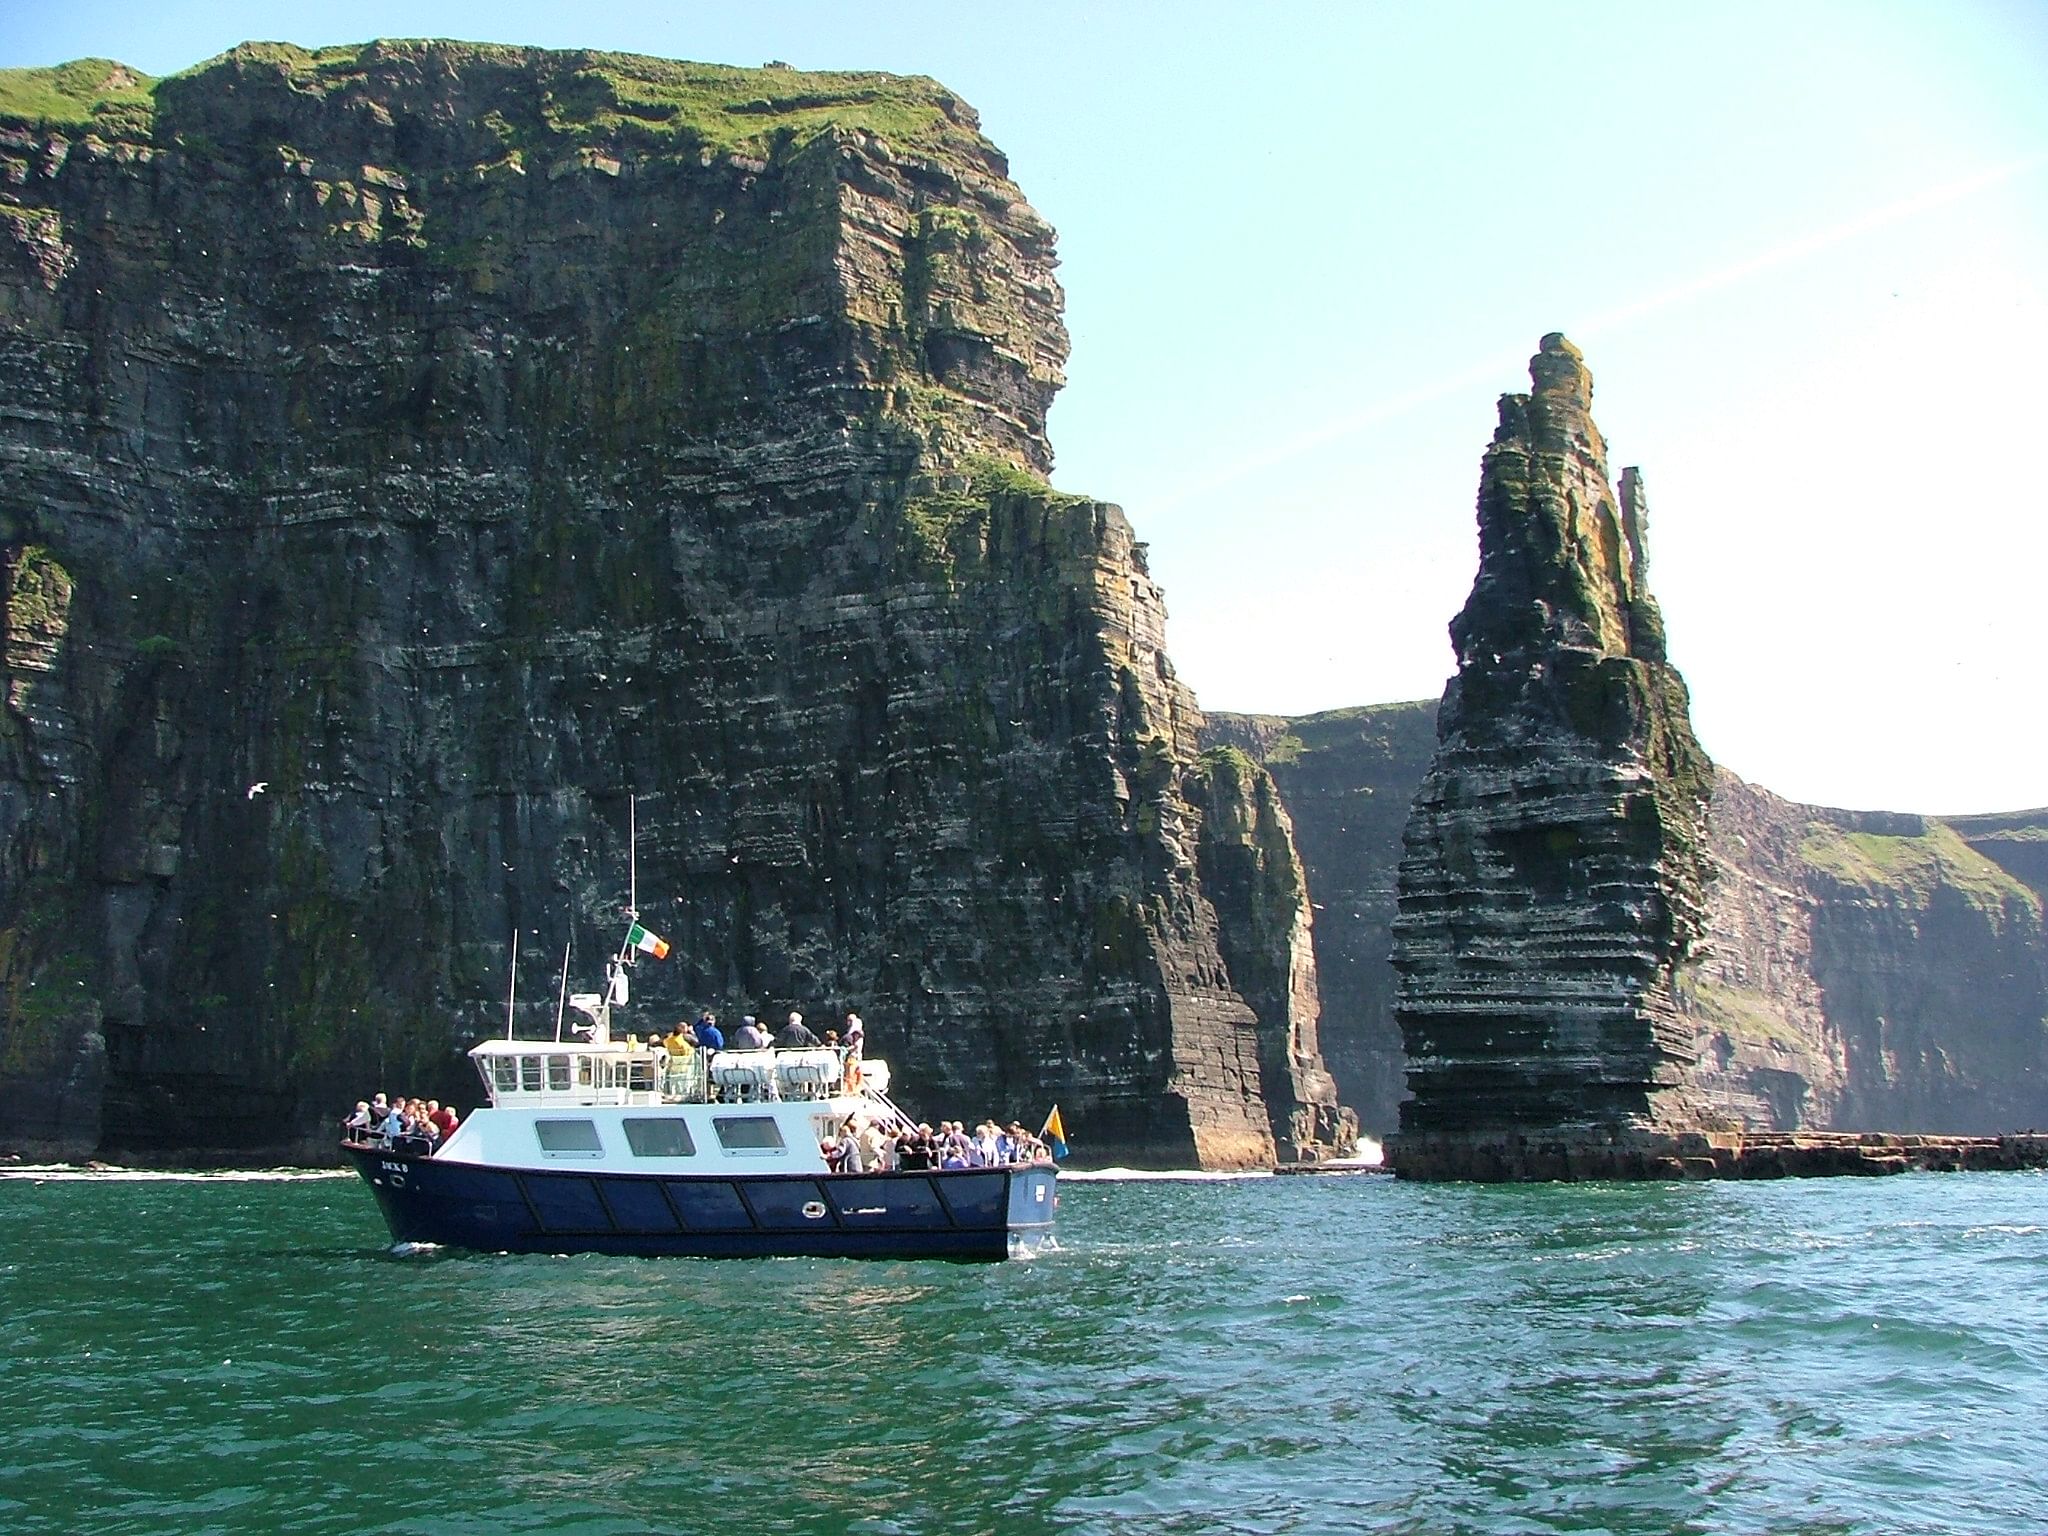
x=599 y=1145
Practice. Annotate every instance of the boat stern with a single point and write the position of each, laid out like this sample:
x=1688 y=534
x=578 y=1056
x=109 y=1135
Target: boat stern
x=1034 y=1198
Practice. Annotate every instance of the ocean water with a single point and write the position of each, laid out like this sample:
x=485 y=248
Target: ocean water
x=1318 y=1354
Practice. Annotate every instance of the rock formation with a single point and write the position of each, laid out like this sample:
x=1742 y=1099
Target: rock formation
x=1605 y=947
x=1554 y=867
x=422 y=458
x=1860 y=972
x=1868 y=971
x=1347 y=777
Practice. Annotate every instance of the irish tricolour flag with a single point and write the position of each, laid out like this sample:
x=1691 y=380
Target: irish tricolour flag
x=650 y=943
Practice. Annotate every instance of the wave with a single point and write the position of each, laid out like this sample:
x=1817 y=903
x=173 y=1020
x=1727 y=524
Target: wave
x=1160 y=1176
x=58 y=1173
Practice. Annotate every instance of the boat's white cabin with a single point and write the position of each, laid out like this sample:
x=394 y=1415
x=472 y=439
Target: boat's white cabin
x=647 y=1111
x=538 y=1073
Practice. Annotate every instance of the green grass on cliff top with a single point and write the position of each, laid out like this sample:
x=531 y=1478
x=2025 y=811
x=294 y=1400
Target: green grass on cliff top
x=1385 y=728
x=584 y=97
x=73 y=95
x=1913 y=866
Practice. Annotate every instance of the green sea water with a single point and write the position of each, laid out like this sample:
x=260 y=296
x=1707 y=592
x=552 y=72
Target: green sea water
x=242 y=1353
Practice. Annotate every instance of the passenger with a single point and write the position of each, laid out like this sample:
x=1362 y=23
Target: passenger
x=749 y=1036
x=850 y=1049
x=443 y=1116
x=985 y=1151
x=912 y=1150
x=357 y=1126
x=834 y=1154
x=709 y=1036
x=851 y=1152
x=874 y=1148
x=393 y=1125
x=681 y=1062
x=796 y=1035
x=953 y=1142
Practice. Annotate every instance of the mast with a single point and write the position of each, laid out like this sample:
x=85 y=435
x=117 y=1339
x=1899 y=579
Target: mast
x=512 y=986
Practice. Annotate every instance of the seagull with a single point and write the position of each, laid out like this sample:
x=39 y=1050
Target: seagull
x=258 y=787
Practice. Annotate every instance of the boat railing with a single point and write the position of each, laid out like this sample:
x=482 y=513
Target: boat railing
x=553 y=1072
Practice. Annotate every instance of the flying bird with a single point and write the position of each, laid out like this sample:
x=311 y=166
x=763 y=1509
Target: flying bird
x=258 y=787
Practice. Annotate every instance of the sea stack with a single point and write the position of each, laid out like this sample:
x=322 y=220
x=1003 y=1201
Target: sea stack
x=1554 y=860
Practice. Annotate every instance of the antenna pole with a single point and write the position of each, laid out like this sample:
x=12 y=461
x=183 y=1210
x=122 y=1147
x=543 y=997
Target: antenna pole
x=562 y=999
x=512 y=987
x=632 y=856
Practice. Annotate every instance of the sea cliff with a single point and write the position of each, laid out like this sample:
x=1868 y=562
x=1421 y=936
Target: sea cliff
x=1591 y=938
x=439 y=476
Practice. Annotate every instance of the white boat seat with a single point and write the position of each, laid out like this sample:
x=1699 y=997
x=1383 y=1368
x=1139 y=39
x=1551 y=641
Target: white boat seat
x=807 y=1074
x=742 y=1077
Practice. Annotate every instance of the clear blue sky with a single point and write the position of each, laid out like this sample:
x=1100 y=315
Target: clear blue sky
x=1804 y=246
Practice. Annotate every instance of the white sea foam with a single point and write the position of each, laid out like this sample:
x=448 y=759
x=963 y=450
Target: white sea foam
x=58 y=1173
x=1160 y=1176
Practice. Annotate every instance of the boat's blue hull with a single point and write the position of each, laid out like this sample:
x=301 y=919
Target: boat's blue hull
x=974 y=1213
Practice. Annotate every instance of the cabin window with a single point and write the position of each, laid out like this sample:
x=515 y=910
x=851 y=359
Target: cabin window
x=529 y=1074
x=748 y=1133
x=665 y=1136
x=558 y=1074
x=504 y=1074
x=568 y=1138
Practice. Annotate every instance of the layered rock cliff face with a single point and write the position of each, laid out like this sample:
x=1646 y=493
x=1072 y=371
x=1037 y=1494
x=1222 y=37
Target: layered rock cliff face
x=1347 y=777
x=1848 y=972
x=1554 y=867
x=420 y=459
x=1867 y=971
x=1859 y=971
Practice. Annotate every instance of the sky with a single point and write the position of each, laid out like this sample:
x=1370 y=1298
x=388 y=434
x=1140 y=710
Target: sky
x=1305 y=247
